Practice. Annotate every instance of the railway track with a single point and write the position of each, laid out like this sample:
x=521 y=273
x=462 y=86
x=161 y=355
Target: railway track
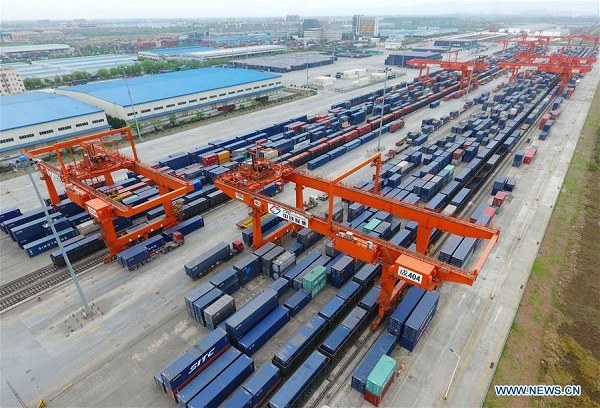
x=336 y=382
x=44 y=278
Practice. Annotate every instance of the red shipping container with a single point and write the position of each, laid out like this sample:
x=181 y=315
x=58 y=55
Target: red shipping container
x=499 y=199
x=490 y=212
x=458 y=154
x=353 y=134
x=529 y=155
x=555 y=113
x=210 y=160
x=544 y=119
x=377 y=400
x=362 y=130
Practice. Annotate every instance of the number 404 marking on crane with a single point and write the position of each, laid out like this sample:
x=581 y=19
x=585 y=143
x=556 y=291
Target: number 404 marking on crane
x=288 y=215
x=410 y=275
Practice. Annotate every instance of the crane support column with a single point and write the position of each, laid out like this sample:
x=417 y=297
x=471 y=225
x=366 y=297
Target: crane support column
x=257 y=239
x=54 y=199
x=300 y=196
x=423 y=235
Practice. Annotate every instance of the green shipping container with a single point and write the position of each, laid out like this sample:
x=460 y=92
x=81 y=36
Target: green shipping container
x=315 y=291
x=450 y=168
x=381 y=375
x=315 y=278
x=371 y=225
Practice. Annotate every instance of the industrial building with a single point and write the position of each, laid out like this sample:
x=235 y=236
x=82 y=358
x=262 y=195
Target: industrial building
x=51 y=68
x=34 y=118
x=394 y=43
x=401 y=59
x=205 y=53
x=430 y=48
x=322 y=34
x=10 y=81
x=310 y=23
x=286 y=62
x=33 y=51
x=182 y=92
x=455 y=42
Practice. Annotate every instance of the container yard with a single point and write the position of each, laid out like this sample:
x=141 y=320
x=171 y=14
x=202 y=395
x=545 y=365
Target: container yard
x=342 y=251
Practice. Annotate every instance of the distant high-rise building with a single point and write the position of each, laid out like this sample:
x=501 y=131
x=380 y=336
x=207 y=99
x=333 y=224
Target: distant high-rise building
x=309 y=23
x=366 y=26
x=356 y=25
x=369 y=26
x=292 y=18
x=10 y=81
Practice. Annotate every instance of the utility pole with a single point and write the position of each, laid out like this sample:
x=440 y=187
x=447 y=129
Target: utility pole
x=453 y=373
x=137 y=125
x=306 y=48
x=382 y=105
x=25 y=162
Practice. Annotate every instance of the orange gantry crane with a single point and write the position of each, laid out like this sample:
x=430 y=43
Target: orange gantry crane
x=92 y=162
x=562 y=59
x=466 y=68
x=565 y=69
x=400 y=267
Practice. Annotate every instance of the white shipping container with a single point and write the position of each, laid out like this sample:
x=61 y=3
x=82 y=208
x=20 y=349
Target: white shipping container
x=283 y=263
x=449 y=210
x=270 y=153
x=87 y=227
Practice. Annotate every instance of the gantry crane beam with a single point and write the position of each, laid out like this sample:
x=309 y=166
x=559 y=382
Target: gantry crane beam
x=554 y=59
x=566 y=71
x=466 y=68
x=97 y=163
x=400 y=267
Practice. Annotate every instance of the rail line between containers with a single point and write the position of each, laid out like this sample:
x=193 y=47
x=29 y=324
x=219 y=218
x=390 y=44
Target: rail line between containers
x=337 y=382
x=44 y=278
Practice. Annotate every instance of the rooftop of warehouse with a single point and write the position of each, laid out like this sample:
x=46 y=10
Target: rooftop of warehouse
x=31 y=108
x=151 y=88
x=419 y=54
x=177 y=51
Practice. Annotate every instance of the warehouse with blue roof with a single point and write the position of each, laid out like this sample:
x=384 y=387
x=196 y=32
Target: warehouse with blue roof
x=175 y=93
x=34 y=118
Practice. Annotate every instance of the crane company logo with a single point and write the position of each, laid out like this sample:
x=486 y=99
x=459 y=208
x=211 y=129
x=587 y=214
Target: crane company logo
x=239 y=196
x=410 y=275
x=288 y=215
x=199 y=363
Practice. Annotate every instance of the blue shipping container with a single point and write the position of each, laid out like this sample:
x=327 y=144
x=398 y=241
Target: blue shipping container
x=262 y=332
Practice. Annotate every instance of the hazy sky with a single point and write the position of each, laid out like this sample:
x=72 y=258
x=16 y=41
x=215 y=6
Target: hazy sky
x=112 y=9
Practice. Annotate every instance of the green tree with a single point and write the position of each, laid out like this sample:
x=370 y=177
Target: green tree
x=103 y=73
x=173 y=120
x=155 y=123
x=115 y=123
x=33 y=83
x=114 y=71
x=77 y=75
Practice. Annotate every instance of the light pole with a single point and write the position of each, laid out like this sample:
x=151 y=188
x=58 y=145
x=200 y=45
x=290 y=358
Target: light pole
x=453 y=373
x=137 y=125
x=306 y=48
x=382 y=104
x=87 y=310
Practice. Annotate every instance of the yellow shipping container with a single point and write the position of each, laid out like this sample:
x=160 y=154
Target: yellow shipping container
x=224 y=156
